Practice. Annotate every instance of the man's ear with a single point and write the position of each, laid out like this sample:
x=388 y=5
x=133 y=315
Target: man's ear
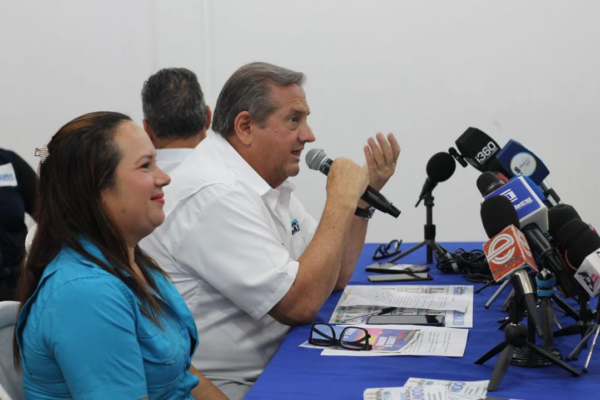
x=243 y=128
x=208 y=118
x=150 y=132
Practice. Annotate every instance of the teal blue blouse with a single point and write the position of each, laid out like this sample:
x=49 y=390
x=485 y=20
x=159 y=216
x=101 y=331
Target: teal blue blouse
x=82 y=336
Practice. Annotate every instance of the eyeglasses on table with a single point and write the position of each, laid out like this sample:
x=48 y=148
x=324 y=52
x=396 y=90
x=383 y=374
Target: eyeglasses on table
x=386 y=250
x=350 y=338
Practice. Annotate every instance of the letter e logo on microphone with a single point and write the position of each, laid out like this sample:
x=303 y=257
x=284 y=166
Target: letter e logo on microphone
x=508 y=252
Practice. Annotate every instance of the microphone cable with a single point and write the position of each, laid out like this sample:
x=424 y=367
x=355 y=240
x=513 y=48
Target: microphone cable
x=473 y=264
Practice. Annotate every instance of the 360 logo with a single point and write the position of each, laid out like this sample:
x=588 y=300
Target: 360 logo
x=487 y=151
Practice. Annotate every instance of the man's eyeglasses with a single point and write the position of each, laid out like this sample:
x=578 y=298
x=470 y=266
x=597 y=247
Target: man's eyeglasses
x=350 y=338
x=387 y=249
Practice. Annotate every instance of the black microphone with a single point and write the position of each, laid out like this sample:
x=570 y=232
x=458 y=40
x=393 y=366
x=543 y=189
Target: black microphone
x=582 y=250
x=477 y=148
x=317 y=159
x=506 y=251
x=440 y=168
x=488 y=182
x=574 y=239
x=559 y=216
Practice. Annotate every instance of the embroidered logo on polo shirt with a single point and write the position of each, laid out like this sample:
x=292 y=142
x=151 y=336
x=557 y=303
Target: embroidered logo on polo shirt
x=295 y=226
x=7 y=175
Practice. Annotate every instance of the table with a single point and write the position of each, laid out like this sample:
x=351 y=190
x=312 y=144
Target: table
x=299 y=373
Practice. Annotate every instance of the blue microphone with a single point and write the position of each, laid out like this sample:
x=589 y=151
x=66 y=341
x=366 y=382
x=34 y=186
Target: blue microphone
x=530 y=208
x=518 y=160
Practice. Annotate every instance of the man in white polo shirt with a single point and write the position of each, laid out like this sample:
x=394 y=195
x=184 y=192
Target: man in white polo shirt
x=175 y=115
x=239 y=246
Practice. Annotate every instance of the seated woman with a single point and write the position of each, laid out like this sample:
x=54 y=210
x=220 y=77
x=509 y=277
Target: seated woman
x=99 y=319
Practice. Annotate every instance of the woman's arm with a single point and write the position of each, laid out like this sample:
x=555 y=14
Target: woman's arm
x=206 y=390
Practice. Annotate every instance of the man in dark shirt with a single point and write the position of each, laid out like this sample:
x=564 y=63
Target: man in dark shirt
x=17 y=197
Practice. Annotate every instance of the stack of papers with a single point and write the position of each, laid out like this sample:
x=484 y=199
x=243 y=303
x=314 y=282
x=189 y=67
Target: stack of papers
x=431 y=389
x=430 y=341
x=405 y=340
x=360 y=301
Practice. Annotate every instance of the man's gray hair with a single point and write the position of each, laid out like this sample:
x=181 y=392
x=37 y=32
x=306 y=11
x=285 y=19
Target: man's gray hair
x=248 y=89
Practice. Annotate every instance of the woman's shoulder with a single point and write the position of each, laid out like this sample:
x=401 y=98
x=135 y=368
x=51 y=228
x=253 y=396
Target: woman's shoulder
x=71 y=276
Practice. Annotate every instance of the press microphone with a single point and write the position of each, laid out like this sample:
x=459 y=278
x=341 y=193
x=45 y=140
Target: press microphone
x=569 y=236
x=533 y=217
x=317 y=159
x=517 y=160
x=477 y=148
x=582 y=250
x=559 y=216
x=507 y=251
x=530 y=208
x=440 y=168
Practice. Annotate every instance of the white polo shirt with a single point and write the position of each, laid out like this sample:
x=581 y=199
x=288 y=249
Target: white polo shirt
x=230 y=244
x=169 y=159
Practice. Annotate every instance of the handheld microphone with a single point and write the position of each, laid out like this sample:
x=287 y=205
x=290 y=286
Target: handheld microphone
x=440 y=168
x=477 y=148
x=507 y=251
x=317 y=159
x=582 y=249
x=533 y=217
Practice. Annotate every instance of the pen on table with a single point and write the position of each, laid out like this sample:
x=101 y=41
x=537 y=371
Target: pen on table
x=383 y=311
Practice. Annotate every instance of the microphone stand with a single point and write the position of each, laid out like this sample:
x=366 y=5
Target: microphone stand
x=545 y=281
x=585 y=325
x=517 y=336
x=432 y=245
x=595 y=331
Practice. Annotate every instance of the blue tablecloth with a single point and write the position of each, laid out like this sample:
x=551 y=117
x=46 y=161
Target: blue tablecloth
x=299 y=373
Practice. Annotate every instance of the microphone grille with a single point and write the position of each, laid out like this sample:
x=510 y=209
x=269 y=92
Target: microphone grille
x=314 y=158
x=498 y=213
x=487 y=182
x=559 y=216
x=587 y=243
x=440 y=167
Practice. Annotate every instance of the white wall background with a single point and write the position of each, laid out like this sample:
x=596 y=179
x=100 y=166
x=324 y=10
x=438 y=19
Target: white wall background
x=425 y=70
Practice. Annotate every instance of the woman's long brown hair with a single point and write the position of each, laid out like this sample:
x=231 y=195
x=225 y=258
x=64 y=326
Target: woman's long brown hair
x=81 y=165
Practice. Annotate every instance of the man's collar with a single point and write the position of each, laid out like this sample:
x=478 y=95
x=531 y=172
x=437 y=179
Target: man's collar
x=235 y=161
x=172 y=155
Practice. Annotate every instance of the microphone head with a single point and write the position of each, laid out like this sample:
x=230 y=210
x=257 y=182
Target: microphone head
x=587 y=243
x=570 y=233
x=314 y=158
x=495 y=166
x=488 y=182
x=496 y=214
x=477 y=148
x=440 y=167
x=559 y=216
